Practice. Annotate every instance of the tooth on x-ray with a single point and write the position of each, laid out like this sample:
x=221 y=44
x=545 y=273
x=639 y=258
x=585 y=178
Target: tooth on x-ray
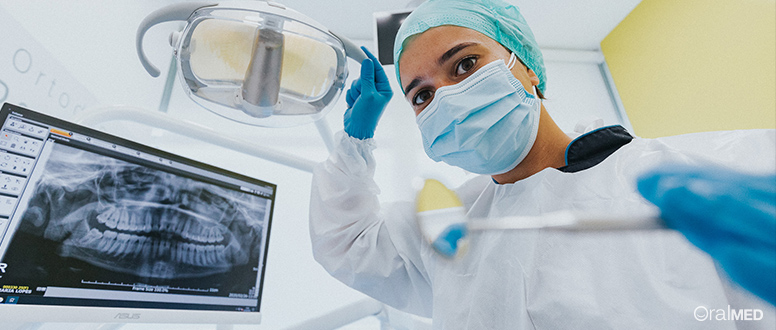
x=132 y=219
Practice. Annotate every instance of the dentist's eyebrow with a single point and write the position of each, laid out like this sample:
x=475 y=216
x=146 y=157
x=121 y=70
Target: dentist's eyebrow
x=415 y=82
x=441 y=61
x=450 y=53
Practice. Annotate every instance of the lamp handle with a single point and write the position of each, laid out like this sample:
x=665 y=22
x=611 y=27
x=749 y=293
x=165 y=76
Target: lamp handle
x=174 y=12
x=351 y=50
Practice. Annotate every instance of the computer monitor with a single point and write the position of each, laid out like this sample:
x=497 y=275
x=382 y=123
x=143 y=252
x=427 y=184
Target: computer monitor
x=385 y=29
x=96 y=228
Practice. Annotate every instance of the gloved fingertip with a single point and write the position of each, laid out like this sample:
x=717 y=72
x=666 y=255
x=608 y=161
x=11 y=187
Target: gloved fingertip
x=647 y=186
x=367 y=52
x=350 y=97
x=355 y=89
x=373 y=58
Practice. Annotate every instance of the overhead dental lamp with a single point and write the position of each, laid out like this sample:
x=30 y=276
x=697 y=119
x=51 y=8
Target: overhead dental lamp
x=255 y=62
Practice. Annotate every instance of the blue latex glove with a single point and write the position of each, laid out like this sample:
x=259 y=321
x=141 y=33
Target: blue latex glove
x=448 y=242
x=367 y=98
x=730 y=215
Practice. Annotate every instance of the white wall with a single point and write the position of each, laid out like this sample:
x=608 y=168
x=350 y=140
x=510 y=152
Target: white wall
x=101 y=56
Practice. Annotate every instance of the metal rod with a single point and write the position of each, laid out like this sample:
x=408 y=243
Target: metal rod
x=164 y=104
x=614 y=96
x=326 y=134
x=97 y=116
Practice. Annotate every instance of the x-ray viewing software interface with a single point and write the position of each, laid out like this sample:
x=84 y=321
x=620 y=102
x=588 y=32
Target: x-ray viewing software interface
x=88 y=219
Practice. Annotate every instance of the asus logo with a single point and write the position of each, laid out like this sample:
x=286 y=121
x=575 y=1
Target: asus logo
x=127 y=316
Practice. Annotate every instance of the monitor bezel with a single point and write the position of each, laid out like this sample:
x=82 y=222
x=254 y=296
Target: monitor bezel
x=97 y=314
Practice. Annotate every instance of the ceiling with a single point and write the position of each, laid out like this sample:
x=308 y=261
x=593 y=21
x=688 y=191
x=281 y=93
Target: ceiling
x=560 y=24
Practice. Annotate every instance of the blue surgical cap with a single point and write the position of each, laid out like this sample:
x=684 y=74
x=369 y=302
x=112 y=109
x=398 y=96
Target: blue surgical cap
x=497 y=19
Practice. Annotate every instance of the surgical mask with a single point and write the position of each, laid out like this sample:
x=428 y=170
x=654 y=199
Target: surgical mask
x=256 y=62
x=485 y=124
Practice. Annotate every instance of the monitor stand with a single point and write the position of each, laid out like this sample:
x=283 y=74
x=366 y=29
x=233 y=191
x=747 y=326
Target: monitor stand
x=83 y=326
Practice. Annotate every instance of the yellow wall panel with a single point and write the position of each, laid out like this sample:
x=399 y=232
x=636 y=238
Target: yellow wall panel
x=696 y=65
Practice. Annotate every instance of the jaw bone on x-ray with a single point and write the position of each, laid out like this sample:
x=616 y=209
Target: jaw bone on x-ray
x=145 y=222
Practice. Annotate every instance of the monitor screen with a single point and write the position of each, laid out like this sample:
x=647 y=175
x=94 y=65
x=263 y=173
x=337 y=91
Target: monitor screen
x=386 y=27
x=92 y=220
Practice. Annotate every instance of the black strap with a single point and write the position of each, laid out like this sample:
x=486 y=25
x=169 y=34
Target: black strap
x=592 y=148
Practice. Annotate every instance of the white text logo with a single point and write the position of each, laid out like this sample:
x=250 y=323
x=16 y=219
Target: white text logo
x=702 y=313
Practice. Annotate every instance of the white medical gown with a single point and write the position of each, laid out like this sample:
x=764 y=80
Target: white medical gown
x=536 y=279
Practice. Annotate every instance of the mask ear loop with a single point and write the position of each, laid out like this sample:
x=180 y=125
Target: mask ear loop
x=536 y=93
x=511 y=64
x=512 y=61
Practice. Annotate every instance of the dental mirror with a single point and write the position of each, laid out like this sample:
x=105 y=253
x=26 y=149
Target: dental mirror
x=444 y=224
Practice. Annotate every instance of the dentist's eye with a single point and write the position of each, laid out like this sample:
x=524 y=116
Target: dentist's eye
x=465 y=65
x=422 y=97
